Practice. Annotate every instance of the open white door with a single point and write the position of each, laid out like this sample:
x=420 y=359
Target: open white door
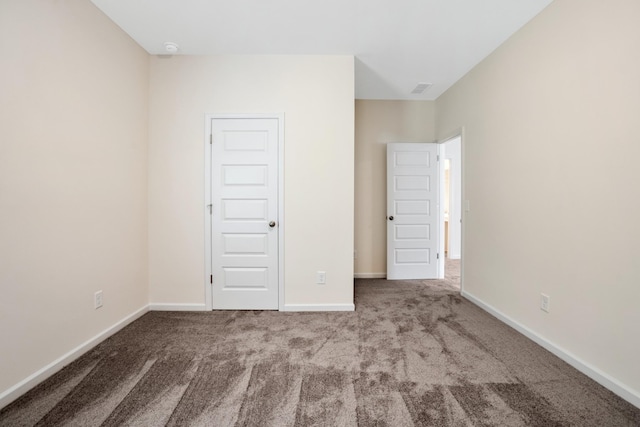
x=412 y=211
x=244 y=214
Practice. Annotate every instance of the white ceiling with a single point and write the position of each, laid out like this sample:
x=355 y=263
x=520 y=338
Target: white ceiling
x=397 y=43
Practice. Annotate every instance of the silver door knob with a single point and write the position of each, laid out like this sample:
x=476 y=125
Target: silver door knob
x=272 y=224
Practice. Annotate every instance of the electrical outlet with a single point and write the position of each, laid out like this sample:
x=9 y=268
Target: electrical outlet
x=545 y=302
x=321 y=277
x=97 y=301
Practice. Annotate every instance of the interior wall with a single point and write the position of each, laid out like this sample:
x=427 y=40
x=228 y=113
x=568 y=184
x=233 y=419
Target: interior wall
x=378 y=122
x=316 y=95
x=551 y=141
x=73 y=139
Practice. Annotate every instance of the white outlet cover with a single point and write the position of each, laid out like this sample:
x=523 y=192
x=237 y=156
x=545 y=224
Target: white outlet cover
x=97 y=299
x=545 y=302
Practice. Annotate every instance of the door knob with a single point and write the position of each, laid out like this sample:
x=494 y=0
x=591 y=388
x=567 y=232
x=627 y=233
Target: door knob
x=391 y=218
x=272 y=224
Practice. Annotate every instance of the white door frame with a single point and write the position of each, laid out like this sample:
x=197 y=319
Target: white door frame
x=452 y=153
x=441 y=239
x=459 y=133
x=208 y=266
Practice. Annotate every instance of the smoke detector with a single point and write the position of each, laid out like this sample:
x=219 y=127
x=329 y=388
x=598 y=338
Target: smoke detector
x=420 y=88
x=170 y=47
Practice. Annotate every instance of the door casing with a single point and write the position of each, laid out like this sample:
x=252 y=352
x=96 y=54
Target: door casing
x=464 y=208
x=208 y=262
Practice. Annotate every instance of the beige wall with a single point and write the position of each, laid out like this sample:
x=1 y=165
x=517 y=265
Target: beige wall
x=377 y=123
x=73 y=136
x=550 y=148
x=316 y=95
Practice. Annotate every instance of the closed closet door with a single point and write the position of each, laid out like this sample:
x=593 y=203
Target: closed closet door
x=244 y=214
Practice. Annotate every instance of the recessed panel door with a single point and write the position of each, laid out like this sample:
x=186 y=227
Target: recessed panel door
x=412 y=211
x=244 y=186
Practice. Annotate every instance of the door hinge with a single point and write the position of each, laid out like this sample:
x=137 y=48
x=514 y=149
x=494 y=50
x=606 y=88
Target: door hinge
x=438 y=256
x=438 y=158
x=210 y=209
x=210 y=138
x=211 y=279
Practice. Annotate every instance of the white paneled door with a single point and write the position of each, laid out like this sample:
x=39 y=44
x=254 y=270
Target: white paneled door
x=412 y=211
x=244 y=213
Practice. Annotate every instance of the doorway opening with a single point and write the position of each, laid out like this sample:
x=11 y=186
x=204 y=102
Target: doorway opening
x=451 y=209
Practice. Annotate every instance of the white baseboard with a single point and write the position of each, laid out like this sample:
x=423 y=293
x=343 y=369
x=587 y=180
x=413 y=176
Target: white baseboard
x=287 y=307
x=36 y=378
x=370 y=276
x=625 y=392
x=177 y=307
x=319 y=307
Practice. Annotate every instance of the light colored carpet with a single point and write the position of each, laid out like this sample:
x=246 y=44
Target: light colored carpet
x=413 y=353
x=452 y=272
